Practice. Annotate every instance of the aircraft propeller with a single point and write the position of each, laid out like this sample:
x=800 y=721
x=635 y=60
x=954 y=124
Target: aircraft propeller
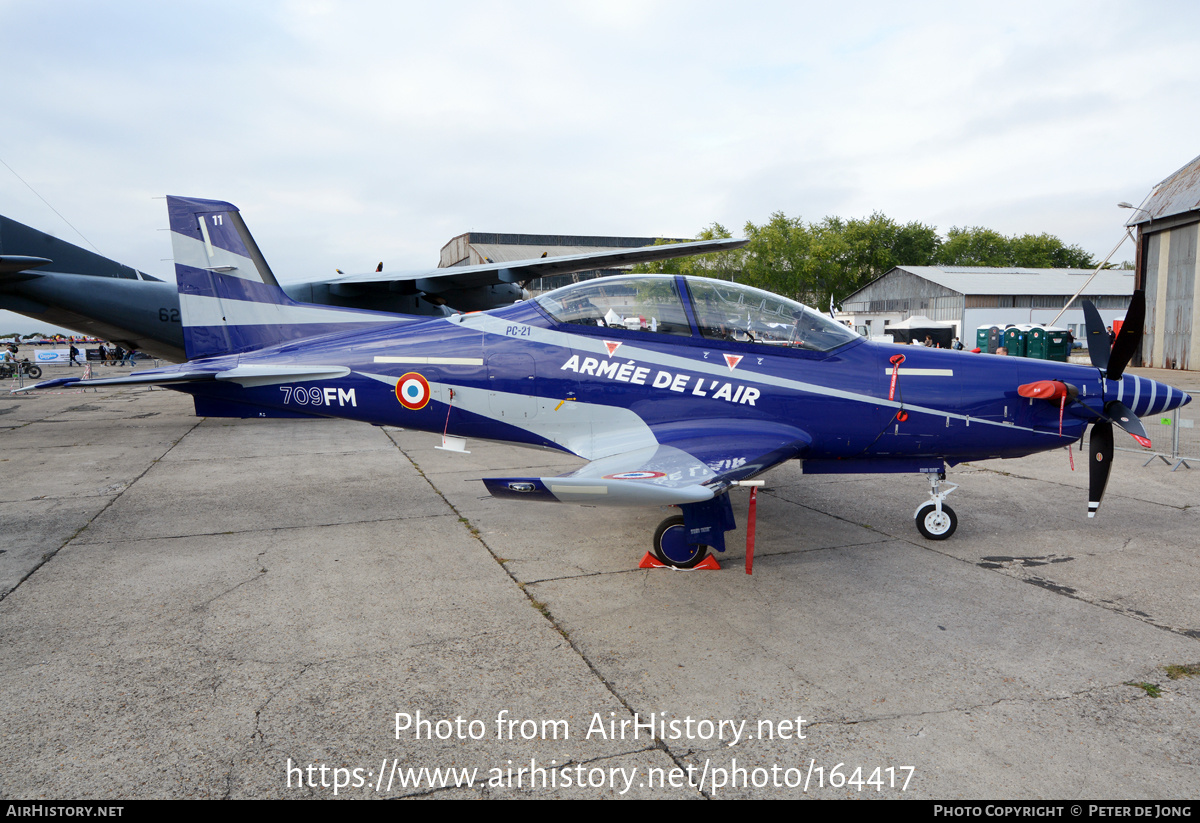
x=1112 y=362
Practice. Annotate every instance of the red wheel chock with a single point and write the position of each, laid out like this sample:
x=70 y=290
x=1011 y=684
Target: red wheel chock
x=708 y=564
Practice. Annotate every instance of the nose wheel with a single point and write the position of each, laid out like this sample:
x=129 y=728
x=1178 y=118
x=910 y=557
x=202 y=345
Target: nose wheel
x=935 y=520
x=672 y=548
x=934 y=523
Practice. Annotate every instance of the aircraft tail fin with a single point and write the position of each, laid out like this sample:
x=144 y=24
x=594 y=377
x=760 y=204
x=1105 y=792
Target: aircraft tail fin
x=24 y=250
x=229 y=299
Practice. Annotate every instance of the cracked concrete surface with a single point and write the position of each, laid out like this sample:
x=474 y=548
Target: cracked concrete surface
x=191 y=606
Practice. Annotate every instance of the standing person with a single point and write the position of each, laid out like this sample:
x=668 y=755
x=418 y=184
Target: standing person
x=102 y=354
x=957 y=345
x=74 y=354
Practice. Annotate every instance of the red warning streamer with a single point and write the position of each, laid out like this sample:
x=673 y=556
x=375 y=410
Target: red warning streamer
x=446 y=430
x=897 y=359
x=750 y=531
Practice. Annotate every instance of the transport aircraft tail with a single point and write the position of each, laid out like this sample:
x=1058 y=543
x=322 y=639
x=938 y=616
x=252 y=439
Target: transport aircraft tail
x=25 y=250
x=229 y=299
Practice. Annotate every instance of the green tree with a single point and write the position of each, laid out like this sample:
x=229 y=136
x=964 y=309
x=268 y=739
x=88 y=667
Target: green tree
x=872 y=247
x=831 y=258
x=779 y=256
x=975 y=246
x=815 y=262
x=723 y=265
x=1045 y=251
x=978 y=246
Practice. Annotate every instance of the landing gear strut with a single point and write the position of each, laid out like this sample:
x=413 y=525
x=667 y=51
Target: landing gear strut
x=936 y=520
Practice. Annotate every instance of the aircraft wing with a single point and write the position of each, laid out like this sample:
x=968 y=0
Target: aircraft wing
x=694 y=461
x=519 y=271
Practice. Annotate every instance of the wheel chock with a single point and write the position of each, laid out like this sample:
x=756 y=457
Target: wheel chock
x=651 y=562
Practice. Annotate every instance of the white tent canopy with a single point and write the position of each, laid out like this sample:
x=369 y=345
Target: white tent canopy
x=918 y=321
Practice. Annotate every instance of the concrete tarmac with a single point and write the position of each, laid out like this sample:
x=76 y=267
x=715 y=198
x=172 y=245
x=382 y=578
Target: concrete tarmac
x=224 y=608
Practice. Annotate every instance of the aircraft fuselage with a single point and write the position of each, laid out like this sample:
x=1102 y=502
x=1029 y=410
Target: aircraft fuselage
x=516 y=375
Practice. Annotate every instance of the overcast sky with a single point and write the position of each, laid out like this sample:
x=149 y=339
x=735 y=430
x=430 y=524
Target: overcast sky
x=353 y=132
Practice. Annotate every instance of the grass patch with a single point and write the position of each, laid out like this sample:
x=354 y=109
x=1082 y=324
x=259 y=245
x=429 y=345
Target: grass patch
x=1152 y=689
x=1176 y=672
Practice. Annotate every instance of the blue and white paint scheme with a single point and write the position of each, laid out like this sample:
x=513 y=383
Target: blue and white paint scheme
x=674 y=389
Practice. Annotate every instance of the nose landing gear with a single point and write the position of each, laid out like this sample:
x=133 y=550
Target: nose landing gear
x=935 y=520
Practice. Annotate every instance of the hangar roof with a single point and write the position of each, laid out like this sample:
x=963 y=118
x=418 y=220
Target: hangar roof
x=985 y=280
x=1178 y=194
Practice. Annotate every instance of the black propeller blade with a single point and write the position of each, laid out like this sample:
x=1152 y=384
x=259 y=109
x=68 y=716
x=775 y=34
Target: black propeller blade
x=1113 y=358
x=1099 y=347
x=1129 y=336
x=1120 y=414
x=1100 y=458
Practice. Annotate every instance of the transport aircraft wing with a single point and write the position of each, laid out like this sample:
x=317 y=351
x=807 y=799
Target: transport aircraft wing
x=61 y=284
x=522 y=271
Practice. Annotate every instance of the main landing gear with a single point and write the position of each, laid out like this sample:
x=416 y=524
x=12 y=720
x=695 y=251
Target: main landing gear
x=684 y=540
x=936 y=520
x=671 y=546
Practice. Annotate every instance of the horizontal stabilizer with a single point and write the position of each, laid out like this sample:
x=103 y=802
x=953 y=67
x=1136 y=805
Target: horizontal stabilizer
x=246 y=376
x=144 y=379
x=13 y=263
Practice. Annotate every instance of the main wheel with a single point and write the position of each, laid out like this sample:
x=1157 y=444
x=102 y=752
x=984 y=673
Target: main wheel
x=934 y=525
x=671 y=546
x=34 y=371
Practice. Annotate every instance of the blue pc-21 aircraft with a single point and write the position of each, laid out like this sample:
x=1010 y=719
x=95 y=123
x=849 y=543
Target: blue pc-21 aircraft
x=674 y=389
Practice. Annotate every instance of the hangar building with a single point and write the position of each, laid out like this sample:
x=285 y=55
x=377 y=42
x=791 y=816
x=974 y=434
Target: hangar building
x=1167 y=224
x=974 y=296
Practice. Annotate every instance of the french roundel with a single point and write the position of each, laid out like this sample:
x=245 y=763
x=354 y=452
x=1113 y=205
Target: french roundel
x=634 y=476
x=412 y=391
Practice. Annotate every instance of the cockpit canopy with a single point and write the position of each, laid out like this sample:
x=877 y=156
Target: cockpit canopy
x=722 y=311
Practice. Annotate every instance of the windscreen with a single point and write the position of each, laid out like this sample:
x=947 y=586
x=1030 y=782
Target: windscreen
x=730 y=311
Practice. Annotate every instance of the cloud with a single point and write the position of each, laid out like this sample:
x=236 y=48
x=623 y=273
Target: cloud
x=352 y=132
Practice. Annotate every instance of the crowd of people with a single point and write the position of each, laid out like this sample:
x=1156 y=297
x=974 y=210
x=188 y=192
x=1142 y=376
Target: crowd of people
x=105 y=354
x=110 y=356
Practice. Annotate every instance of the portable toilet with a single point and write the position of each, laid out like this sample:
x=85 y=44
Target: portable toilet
x=1035 y=343
x=1058 y=343
x=1014 y=341
x=988 y=338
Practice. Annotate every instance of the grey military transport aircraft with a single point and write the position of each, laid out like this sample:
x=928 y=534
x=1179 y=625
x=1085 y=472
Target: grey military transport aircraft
x=61 y=284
